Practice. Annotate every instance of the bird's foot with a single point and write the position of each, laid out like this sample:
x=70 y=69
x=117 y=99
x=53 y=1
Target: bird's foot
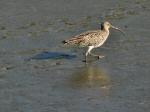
x=99 y=57
x=84 y=60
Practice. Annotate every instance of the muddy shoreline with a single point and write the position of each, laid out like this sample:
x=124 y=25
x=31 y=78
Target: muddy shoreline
x=117 y=83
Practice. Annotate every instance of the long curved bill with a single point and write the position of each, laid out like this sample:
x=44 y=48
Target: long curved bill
x=118 y=29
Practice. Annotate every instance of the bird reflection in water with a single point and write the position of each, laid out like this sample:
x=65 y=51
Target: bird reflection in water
x=91 y=77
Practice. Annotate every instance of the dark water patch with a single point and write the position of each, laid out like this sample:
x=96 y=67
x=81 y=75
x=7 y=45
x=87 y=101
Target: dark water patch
x=2 y=28
x=52 y=55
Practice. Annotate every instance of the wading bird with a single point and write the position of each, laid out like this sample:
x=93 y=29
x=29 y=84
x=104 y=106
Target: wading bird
x=92 y=39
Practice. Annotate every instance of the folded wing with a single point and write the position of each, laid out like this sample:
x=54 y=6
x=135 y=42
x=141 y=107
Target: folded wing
x=83 y=39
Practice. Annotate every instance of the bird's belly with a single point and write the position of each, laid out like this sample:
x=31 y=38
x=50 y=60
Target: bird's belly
x=101 y=42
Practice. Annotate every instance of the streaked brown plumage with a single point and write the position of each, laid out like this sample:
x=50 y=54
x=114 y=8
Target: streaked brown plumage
x=91 y=39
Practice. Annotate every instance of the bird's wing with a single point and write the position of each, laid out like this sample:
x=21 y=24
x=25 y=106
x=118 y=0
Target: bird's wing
x=86 y=33
x=82 y=39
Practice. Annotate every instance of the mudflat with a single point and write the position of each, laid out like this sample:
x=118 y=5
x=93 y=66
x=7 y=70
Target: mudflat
x=62 y=82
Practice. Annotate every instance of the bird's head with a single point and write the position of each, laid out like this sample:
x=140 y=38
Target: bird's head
x=106 y=25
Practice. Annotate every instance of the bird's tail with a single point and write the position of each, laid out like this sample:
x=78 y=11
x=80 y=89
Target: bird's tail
x=65 y=42
x=71 y=42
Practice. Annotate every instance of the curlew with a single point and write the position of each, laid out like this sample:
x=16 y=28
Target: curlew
x=92 y=39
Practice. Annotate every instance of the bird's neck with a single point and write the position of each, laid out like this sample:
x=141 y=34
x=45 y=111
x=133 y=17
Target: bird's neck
x=105 y=29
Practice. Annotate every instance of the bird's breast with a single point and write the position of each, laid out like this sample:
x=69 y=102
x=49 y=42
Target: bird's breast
x=102 y=38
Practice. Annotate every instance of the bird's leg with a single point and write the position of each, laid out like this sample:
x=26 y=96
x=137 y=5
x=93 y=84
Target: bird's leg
x=88 y=52
x=86 y=57
x=95 y=55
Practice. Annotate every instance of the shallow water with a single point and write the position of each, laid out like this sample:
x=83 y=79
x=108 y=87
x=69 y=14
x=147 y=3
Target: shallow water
x=117 y=83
